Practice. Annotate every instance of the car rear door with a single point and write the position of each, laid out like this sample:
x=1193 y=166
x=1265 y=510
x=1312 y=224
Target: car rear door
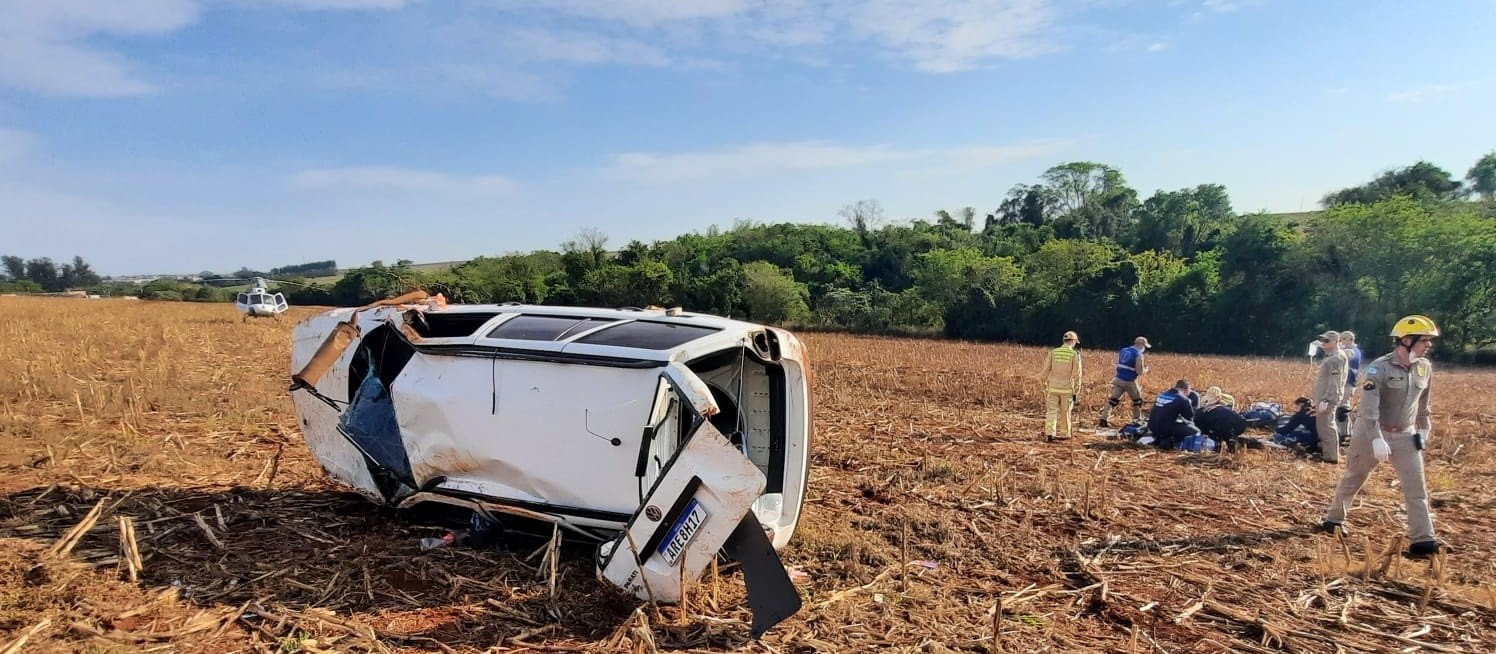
x=700 y=492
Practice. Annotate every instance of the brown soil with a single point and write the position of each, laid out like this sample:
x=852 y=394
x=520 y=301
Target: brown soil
x=939 y=519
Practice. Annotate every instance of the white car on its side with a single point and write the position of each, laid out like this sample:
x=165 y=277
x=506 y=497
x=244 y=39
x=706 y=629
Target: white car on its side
x=658 y=433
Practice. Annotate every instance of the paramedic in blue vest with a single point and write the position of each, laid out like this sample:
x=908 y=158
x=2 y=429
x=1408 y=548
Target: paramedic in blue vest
x=1131 y=364
x=1353 y=356
x=1393 y=422
x=1062 y=373
x=1172 y=417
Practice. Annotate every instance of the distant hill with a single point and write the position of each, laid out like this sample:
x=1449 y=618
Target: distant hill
x=1296 y=216
x=437 y=266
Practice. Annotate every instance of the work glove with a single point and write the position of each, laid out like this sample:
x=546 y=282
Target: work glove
x=1380 y=450
x=1323 y=406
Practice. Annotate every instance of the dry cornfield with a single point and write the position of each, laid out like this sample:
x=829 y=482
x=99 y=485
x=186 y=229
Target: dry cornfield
x=156 y=496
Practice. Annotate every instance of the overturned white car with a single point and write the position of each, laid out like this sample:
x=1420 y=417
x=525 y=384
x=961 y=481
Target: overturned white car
x=664 y=435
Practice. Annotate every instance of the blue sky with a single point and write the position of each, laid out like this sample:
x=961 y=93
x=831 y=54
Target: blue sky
x=155 y=136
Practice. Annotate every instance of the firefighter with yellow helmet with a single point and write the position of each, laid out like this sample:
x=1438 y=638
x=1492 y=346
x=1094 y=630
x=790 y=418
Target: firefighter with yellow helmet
x=1393 y=423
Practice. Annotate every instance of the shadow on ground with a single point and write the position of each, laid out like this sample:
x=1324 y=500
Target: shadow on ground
x=329 y=550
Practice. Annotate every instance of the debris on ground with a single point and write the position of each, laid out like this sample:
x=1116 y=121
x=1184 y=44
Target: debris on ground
x=170 y=416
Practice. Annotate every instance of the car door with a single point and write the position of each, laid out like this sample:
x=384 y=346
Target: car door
x=700 y=492
x=681 y=400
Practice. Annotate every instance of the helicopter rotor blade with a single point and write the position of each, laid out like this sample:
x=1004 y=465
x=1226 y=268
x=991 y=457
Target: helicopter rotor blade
x=250 y=281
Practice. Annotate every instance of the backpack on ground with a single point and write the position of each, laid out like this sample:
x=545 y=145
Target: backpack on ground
x=1263 y=415
x=1197 y=443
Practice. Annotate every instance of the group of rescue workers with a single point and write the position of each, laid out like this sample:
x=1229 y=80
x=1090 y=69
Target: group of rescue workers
x=1391 y=422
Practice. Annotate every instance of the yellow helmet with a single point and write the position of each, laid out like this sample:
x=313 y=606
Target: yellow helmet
x=1415 y=325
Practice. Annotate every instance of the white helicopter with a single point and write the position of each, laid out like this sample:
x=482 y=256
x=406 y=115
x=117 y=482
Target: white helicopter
x=258 y=301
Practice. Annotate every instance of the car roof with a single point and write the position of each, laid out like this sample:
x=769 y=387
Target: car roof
x=628 y=313
x=728 y=331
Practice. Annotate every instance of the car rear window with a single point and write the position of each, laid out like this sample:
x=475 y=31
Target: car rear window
x=544 y=328
x=647 y=335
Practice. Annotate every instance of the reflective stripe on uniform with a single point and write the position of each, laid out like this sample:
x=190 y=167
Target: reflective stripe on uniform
x=1064 y=370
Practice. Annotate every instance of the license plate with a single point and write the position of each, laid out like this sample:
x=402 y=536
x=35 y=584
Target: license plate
x=681 y=533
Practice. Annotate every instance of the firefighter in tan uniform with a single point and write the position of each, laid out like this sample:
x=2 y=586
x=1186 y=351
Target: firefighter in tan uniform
x=1393 y=422
x=1329 y=389
x=1062 y=372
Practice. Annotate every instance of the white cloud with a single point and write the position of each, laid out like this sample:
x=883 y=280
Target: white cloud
x=503 y=83
x=399 y=179
x=1226 y=6
x=346 y=4
x=768 y=158
x=434 y=80
x=1434 y=91
x=63 y=47
x=944 y=37
x=935 y=35
x=580 y=48
x=791 y=30
x=640 y=13
x=1205 y=8
x=14 y=144
x=49 y=46
x=1139 y=42
x=44 y=44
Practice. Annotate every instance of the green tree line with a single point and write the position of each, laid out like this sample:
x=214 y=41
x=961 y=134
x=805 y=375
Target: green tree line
x=1076 y=249
x=42 y=275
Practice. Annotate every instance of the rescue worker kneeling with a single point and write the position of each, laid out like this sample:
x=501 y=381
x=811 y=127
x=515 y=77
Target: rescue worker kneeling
x=1299 y=429
x=1171 y=419
x=1218 y=419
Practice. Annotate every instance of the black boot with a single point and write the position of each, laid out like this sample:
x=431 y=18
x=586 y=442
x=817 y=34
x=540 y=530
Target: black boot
x=1328 y=527
x=1424 y=549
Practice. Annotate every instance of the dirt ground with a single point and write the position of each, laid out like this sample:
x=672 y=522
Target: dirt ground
x=155 y=496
